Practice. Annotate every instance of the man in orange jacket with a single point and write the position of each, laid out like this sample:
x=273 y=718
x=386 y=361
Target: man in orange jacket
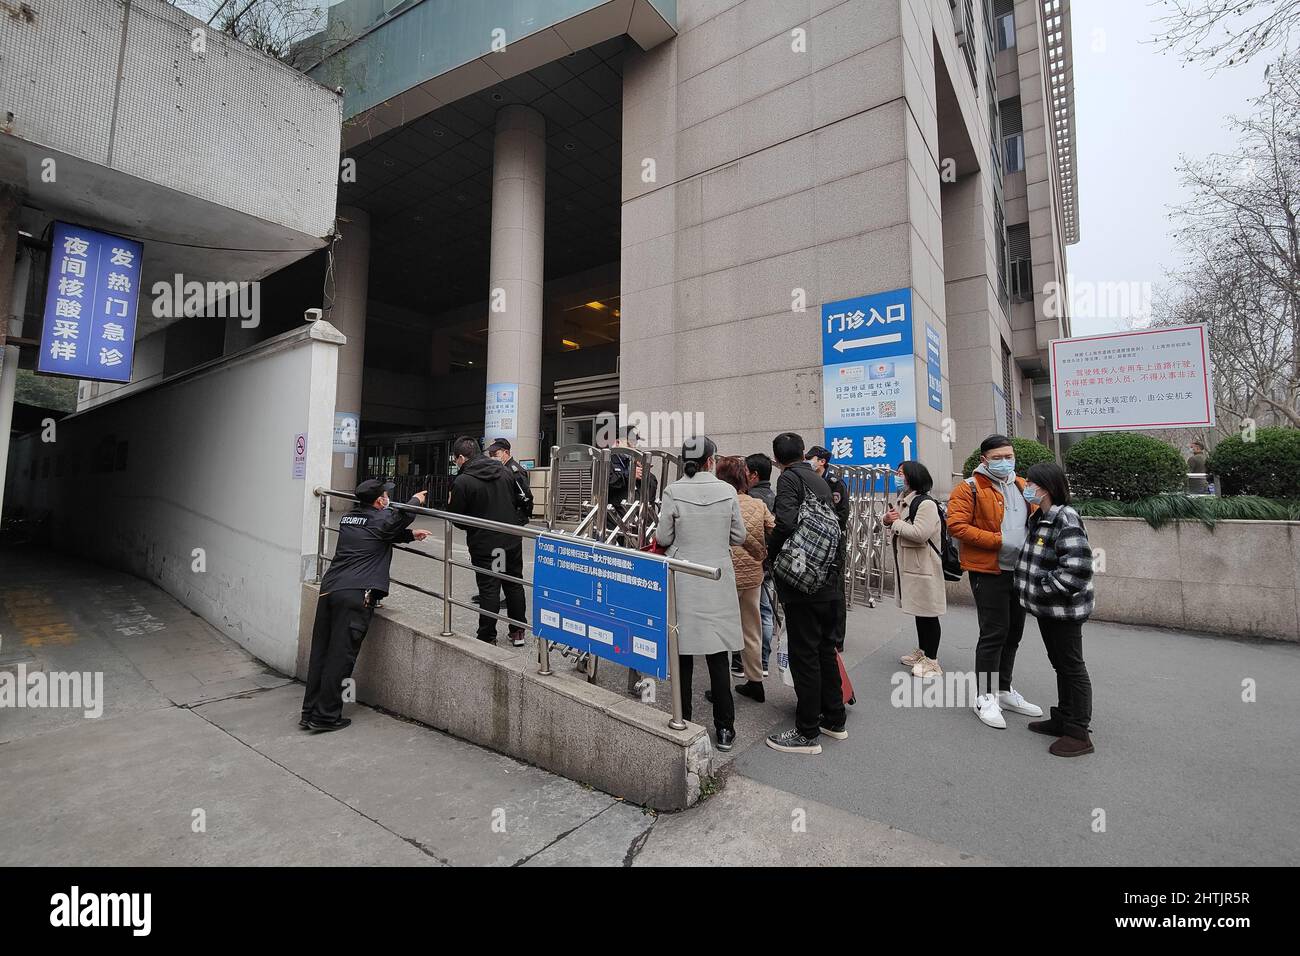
x=988 y=515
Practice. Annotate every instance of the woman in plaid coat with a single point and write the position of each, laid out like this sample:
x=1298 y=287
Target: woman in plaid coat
x=1054 y=582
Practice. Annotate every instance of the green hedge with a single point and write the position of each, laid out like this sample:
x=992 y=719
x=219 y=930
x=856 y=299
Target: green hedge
x=1119 y=466
x=1028 y=453
x=1269 y=466
x=1159 y=510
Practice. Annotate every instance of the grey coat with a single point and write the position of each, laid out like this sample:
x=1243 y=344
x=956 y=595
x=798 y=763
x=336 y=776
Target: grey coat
x=699 y=520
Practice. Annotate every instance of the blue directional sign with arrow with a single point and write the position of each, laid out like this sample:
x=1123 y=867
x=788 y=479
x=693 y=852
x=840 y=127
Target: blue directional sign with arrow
x=868 y=327
x=869 y=379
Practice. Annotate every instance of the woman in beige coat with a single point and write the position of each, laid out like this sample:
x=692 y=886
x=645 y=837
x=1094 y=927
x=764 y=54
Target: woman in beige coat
x=918 y=566
x=747 y=560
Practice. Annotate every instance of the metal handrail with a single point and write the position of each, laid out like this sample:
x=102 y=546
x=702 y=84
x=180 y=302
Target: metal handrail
x=452 y=520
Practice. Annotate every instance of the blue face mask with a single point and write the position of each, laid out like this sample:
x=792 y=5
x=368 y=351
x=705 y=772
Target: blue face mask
x=1032 y=494
x=1002 y=468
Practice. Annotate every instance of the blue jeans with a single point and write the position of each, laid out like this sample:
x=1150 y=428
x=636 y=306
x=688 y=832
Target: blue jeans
x=765 y=611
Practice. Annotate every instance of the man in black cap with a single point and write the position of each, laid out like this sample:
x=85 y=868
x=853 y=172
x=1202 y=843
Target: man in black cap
x=356 y=581
x=500 y=450
x=820 y=459
x=483 y=489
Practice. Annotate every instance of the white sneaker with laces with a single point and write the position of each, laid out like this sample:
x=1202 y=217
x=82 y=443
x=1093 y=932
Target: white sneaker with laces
x=988 y=711
x=912 y=659
x=1012 y=700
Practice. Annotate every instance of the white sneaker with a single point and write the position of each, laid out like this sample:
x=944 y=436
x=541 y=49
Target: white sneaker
x=1012 y=701
x=987 y=709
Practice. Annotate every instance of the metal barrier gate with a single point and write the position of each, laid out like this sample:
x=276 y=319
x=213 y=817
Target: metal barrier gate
x=865 y=564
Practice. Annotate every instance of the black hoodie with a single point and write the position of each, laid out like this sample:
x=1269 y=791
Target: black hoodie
x=484 y=488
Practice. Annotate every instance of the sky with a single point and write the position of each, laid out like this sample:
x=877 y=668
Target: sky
x=1136 y=111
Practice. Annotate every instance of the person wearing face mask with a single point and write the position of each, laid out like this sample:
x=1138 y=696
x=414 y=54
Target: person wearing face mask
x=1054 y=584
x=355 y=582
x=484 y=489
x=700 y=520
x=918 y=563
x=987 y=515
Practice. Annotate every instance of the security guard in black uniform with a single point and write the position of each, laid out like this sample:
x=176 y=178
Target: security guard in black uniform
x=820 y=459
x=356 y=581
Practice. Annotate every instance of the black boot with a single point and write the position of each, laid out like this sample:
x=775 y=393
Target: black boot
x=753 y=690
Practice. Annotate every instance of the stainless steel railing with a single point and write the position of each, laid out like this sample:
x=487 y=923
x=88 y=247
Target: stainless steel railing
x=449 y=564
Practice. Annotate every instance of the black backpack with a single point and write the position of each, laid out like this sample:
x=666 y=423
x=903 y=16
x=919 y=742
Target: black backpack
x=948 y=554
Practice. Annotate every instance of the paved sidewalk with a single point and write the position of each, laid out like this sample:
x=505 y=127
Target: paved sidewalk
x=196 y=732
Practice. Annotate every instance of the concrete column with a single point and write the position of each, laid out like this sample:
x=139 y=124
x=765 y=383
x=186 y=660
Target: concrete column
x=515 y=291
x=13 y=295
x=347 y=313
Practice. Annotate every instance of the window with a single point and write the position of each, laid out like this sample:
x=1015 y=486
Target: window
x=1022 y=273
x=1013 y=153
x=1004 y=24
x=1013 y=140
x=1005 y=30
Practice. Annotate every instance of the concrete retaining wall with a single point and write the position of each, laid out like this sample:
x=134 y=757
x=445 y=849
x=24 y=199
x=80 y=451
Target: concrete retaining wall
x=1239 y=579
x=494 y=697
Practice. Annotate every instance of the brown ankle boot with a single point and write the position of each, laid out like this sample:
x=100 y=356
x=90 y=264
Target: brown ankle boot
x=1051 y=728
x=1072 y=746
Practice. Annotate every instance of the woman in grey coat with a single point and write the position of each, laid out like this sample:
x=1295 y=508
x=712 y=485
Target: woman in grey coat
x=699 y=520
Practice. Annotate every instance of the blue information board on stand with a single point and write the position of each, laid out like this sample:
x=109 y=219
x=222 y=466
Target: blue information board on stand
x=601 y=600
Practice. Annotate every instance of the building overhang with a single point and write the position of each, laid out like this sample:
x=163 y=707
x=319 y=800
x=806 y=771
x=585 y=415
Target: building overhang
x=137 y=119
x=430 y=53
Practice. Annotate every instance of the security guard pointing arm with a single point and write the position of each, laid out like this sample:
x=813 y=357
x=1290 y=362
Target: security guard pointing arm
x=356 y=581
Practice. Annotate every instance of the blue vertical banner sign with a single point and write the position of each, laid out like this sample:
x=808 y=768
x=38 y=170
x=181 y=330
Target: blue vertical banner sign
x=596 y=599
x=869 y=379
x=934 y=367
x=90 y=303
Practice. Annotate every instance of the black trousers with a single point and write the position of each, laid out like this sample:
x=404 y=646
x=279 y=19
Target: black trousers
x=342 y=620
x=490 y=588
x=927 y=636
x=724 y=705
x=1064 y=643
x=1002 y=624
x=810 y=629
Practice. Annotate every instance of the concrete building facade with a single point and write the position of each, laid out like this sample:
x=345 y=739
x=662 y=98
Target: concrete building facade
x=705 y=174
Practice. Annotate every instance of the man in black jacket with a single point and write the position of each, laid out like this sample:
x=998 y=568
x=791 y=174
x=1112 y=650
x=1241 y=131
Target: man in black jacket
x=820 y=459
x=356 y=581
x=810 y=618
x=500 y=450
x=484 y=489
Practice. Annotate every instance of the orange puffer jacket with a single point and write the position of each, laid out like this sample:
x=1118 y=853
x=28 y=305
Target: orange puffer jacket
x=975 y=520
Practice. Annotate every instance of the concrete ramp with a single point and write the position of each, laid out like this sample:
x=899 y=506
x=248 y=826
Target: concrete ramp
x=492 y=696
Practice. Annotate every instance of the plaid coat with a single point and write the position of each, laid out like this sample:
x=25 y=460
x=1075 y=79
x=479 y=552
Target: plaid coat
x=1054 y=572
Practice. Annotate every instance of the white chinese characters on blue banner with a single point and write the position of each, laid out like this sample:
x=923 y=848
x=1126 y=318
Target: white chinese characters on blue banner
x=90 y=303
x=869 y=379
x=596 y=599
x=934 y=367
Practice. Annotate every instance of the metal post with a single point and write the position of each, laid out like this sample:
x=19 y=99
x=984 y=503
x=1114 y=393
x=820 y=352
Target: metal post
x=320 y=536
x=674 y=668
x=447 y=535
x=543 y=656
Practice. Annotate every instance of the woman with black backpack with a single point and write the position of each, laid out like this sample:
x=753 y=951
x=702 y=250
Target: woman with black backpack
x=918 y=565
